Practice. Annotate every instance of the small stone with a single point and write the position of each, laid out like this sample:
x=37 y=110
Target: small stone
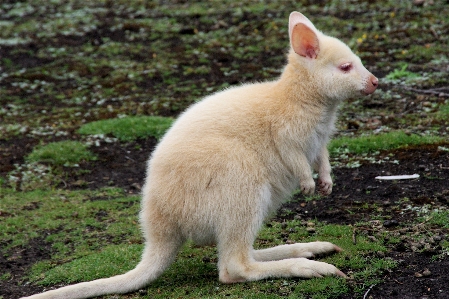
x=310 y=224
x=417 y=245
x=428 y=247
x=417 y=274
x=136 y=186
x=426 y=272
x=310 y=230
x=353 y=125
x=390 y=223
x=372 y=238
x=437 y=238
x=206 y=259
x=373 y=123
x=419 y=2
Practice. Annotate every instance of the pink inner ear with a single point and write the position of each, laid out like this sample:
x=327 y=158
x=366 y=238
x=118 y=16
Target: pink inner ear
x=304 y=41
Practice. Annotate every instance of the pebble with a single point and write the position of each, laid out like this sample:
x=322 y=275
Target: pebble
x=437 y=238
x=390 y=223
x=426 y=272
x=372 y=238
x=206 y=259
x=310 y=230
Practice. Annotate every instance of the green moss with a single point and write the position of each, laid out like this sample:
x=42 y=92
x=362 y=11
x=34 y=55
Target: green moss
x=129 y=128
x=61 y=153
x=373 y=143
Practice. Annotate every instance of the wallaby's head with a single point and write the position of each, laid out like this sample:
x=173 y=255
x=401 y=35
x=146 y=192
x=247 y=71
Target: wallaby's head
x=336 y=71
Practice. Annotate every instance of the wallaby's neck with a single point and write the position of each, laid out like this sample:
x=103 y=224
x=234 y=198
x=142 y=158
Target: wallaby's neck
x=300 y=86
x=304 y=95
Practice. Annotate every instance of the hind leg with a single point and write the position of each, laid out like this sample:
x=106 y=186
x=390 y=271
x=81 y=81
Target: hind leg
x=238 y=265
x=239 y=262
x=307 y=250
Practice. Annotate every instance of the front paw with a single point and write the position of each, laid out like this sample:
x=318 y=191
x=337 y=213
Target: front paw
x=325 y=185
x=308 y=187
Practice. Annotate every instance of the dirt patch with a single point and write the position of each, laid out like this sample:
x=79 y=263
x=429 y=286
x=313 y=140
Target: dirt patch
x=417 y=276
x=357 y=187
x=17 y=263
x=118 y=165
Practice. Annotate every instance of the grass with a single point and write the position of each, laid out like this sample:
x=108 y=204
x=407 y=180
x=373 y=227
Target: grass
x=93 y=234
x=443 y=112
x=402 y=73
x=129 y=128
x=439 y=218
x=374 y=143
x=61 y=153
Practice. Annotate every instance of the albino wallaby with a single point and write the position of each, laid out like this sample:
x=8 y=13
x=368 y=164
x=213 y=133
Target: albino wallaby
x=229 y=162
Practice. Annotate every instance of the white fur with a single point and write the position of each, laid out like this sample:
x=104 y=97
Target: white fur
x=230 y=160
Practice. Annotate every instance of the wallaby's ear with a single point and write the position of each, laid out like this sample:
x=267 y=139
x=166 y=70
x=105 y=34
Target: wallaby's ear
x=303 y=37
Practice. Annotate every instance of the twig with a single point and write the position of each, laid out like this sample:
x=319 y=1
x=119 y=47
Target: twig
x=417 y=226
x=354 y=236
x=395 y=230
x=366 y=294
x=434 y=33
x=436 y=91
x=65 y=184
x=130 y=158
x=441 y=88
x=397 y=281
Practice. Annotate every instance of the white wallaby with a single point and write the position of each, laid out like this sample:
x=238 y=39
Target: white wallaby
x=229 y=162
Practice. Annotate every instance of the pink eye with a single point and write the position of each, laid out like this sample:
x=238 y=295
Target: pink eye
x=345 y=67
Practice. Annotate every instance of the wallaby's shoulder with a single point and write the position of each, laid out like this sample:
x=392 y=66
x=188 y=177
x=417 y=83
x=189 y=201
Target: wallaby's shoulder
x=239 y=103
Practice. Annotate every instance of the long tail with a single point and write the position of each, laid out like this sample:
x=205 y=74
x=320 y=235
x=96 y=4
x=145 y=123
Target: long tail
x=154 y=262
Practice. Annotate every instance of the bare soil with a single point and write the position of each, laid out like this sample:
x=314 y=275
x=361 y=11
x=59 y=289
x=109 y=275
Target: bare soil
x=356 y=200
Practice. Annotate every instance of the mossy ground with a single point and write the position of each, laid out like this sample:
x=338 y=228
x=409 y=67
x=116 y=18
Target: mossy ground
x=67 y=65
